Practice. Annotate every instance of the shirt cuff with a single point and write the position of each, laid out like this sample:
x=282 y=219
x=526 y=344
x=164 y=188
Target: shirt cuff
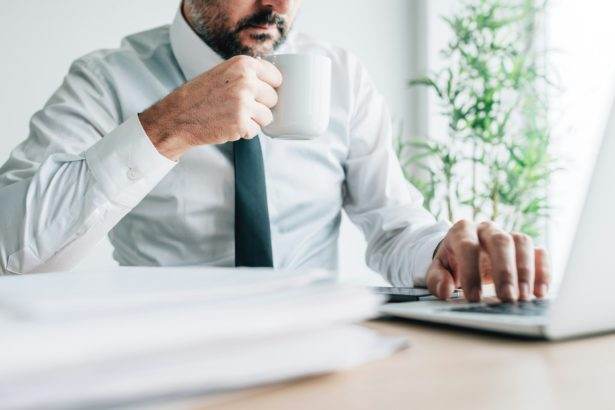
x=126 y=163
x=424 y=254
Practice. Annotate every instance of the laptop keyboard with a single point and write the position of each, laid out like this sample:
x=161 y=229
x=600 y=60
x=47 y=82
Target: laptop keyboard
x=531 y=308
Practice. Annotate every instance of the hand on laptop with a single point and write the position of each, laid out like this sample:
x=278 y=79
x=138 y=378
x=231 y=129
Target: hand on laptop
x=471 y=255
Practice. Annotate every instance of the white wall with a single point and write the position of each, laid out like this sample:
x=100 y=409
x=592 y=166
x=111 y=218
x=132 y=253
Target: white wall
x=39 y=39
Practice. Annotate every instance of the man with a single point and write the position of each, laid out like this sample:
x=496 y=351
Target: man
x=159 y=144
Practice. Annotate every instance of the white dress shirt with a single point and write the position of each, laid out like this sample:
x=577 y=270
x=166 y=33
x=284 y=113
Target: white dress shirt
x=88 y=169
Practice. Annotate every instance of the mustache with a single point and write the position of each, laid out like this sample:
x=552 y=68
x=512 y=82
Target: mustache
x=262 y=18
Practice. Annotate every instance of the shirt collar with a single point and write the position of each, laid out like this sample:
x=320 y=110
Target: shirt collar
x=194 y=55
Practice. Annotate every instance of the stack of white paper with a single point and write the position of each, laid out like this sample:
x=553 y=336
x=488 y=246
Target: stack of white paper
x=138 y=334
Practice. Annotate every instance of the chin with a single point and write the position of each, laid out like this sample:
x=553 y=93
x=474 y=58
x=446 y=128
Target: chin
x=258 y=49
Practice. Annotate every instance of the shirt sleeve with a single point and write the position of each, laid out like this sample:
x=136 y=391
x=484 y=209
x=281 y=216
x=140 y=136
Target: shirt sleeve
x=79 y=172
x=401 y=234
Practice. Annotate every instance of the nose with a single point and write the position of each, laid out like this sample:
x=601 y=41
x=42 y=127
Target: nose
x=278 y=6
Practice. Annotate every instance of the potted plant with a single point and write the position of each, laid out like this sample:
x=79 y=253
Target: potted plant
x=494 y=162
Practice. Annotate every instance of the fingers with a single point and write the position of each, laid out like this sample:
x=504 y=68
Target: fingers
x=248 y=80
x=500 y=247
x=253 y=130
x=440 y=281
x=524 y=255
x=248 y=131
x=485 y=268
x=261 y=114
x=543 y=273
x=266 y=94
x=466 y=248
x=474 y=255
x=251 y=69
x=268 y=73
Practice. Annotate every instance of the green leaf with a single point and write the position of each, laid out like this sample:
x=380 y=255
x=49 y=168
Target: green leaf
x=426 y=82
x=493 y=94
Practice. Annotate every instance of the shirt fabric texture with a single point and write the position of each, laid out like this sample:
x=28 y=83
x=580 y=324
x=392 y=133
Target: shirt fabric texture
x=88 y=169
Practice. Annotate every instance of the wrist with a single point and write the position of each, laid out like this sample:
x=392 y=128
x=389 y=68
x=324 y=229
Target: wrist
x=166 y=140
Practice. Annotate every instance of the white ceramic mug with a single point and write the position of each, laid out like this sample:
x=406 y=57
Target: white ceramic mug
x=304 y=98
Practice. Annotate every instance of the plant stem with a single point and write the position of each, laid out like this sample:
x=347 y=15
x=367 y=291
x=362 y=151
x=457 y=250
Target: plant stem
x=495 y=201
x=474 y=180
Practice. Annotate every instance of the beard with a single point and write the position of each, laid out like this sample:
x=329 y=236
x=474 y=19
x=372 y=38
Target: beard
x=210 y=22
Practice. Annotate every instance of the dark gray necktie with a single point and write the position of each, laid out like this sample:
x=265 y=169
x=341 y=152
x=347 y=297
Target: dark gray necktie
x=252 y=231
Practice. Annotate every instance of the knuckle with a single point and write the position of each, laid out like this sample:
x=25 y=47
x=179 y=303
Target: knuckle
x=242 y=117
x=241 y=61
x=242 y=85
x=522 y=239
x=243 y=80
x=243 y=131
x=502 y=239
x=462 y=225
x=241 y=98
x=245 y=96
x=237 y=126
x=486 y=225
x=468 y=247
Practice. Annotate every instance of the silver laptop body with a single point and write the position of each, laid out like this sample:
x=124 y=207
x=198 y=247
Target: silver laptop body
x=585 y=302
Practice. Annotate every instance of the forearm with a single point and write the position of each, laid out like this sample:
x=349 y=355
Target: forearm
x=45 y=218
x=51 y=220
x=401 y=234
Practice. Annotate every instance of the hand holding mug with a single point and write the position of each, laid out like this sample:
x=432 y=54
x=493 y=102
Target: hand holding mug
x=229 y=102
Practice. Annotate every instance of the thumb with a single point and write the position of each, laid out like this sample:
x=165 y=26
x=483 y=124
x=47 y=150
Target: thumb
x=440 y=281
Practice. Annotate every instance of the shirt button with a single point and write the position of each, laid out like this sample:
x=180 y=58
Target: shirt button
x=133 y=174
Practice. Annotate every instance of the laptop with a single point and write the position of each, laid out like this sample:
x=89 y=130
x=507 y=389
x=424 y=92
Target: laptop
x=584 y=304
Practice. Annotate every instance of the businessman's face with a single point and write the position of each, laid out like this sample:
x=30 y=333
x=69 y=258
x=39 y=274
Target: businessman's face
x=233 y=27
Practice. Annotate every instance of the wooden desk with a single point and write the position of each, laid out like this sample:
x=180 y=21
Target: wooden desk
x=446 y=367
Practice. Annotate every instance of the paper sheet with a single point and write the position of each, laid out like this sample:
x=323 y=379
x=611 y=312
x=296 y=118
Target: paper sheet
x=134 y=334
